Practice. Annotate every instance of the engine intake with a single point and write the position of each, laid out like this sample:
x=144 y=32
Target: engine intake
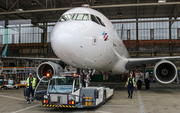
x=49 y=68
x=165 y=72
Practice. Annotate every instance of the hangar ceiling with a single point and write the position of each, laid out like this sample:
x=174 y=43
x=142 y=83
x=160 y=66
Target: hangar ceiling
x=51 y=10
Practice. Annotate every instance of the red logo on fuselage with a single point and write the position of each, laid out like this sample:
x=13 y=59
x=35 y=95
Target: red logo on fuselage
x=105 y=36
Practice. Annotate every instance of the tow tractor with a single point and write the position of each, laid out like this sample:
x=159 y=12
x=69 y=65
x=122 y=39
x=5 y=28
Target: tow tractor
x=67 y=91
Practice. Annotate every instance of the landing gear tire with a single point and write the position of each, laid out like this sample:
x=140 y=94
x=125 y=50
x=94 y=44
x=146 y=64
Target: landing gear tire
x=139 y=84
x=147 y=83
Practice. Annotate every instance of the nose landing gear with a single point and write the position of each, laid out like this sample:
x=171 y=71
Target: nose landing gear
x=87 y=76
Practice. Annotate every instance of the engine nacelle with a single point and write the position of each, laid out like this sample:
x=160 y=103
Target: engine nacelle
x=48 y=67
x=165 y=72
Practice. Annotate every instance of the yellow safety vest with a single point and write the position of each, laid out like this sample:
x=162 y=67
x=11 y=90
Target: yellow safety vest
x=77 y=81
x=132 y=80
x=33 y=83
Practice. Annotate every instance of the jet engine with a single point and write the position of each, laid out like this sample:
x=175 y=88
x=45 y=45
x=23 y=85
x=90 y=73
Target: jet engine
x=165 y=72
x=48 y=69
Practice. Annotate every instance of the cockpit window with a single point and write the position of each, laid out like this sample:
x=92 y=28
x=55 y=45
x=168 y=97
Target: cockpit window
x=74 y=17
x=93 y=18
x=65 y=17
x=102 y=23
x=86 y=17
x=97 y=20
x=80 y=17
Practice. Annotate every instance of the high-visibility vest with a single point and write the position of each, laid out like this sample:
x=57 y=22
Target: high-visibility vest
x=77 y=81
x=132 y=81
x=33 y=83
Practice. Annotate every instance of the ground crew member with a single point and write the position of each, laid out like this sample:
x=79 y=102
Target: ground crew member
x=131 y=84
x=31 y=83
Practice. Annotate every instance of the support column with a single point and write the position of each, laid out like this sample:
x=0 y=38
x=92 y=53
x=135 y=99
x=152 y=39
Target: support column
x=7 y=4
x=170 y=43
x=44 y=40
x=20 y=51
x=46 y=3
x=137 y=38
x=6 y=21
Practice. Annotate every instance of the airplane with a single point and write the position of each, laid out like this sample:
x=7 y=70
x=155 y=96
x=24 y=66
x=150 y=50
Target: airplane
x=86 y=39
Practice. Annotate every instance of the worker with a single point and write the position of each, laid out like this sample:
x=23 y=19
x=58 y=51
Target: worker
x=131 y=84
x=31 y=84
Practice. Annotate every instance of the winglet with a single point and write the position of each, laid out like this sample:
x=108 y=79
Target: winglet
x=5 y=51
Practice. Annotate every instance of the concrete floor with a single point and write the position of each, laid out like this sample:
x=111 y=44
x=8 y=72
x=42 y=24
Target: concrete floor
x=159 y=99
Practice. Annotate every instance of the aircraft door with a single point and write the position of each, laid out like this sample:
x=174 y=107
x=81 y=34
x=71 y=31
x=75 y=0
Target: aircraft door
x=41 y=89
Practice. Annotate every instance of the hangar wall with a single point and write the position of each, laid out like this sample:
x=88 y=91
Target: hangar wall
x=154 y=37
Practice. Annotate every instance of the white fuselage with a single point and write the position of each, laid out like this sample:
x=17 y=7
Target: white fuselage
x=86 y=44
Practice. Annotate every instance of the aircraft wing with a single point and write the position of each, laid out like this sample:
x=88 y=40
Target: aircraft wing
x=140 y=61
x=33 y=58
x=26 y=58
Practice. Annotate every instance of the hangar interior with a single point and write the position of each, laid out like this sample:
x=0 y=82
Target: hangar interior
x=148 y=28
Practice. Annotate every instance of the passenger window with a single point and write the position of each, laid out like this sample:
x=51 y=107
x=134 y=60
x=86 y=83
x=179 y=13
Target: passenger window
x=93 y=18
x=102 y=23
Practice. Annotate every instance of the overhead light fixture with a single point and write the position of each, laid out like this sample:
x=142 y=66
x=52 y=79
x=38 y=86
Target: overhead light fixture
x=161 y=1
x=19 y=9
x=33 y=2
x=85 y=5
x=119 y=14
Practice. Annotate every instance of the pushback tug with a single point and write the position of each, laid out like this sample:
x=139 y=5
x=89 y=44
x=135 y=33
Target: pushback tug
x=66 y=91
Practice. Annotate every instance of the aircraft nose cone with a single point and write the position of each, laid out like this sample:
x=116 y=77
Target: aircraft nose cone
x=63 y=36
x=60 y=33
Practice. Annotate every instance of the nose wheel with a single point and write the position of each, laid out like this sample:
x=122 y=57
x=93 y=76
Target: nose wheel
x=87 y=76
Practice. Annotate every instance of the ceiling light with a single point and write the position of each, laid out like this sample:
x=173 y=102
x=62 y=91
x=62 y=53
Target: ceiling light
x=85 y=5
x=161 y=1
x=33 y=2
x=119 y=14
x=19 y=9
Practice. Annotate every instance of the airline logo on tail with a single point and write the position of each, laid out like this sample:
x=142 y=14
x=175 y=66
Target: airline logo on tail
x=5 y=51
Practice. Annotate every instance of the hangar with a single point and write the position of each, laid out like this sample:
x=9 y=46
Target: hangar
x=148 y=28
